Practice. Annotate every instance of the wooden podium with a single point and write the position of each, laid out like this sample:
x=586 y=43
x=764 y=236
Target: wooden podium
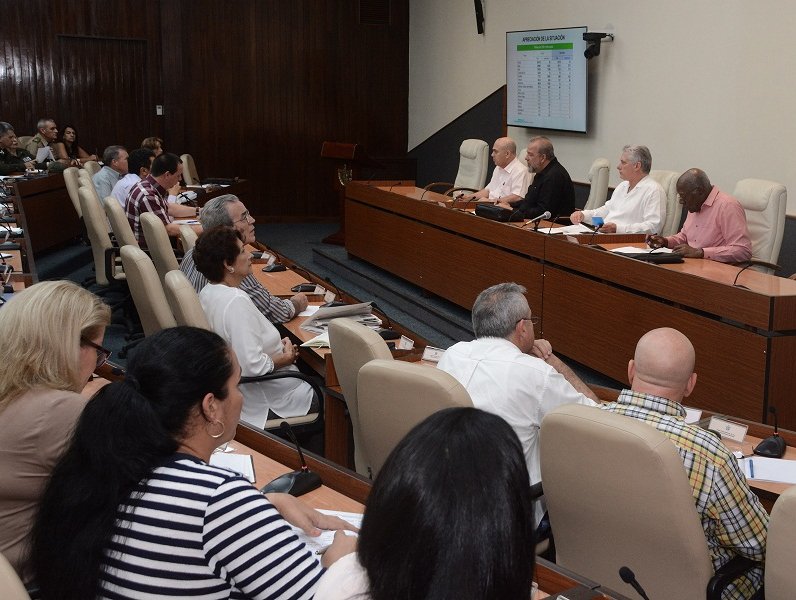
x=348 y=159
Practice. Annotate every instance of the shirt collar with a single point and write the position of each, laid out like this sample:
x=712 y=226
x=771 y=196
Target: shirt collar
x=711 y=197
x=650 y=402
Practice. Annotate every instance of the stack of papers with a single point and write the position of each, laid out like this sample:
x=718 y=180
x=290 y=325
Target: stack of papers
x=361 y=313
x=777 y=470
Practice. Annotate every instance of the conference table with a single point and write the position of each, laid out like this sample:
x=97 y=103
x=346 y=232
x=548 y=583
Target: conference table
x=594 y=305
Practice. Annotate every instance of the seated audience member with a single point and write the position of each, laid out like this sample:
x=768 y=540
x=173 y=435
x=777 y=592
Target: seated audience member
x=661 y=374
x=138 y=164
x=13 y=159
x=50 y=345
x=509 y=179
x=638 y=204
x=221 y=257
x=151 y=195
x=715 y=227
x=114 y=168
x=46 y=135
x=133 y=508
x=153 y=143
x=454 y=502
x=68 y=149
x=228 y=211
x=551 y=189
x=510 y=373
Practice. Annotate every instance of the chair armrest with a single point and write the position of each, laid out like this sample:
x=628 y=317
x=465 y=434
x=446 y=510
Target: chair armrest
x=453 y=190
x=312 y=381
x=729 y=573
x=536 y=491
x=438 y=184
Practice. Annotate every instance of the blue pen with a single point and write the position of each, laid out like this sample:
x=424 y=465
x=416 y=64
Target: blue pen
x=751 y=469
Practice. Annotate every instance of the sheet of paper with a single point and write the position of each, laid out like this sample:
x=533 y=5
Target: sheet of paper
x=44 y=153
x=319 y=341
x=327 y=537
x=636 y=250
x=777 y=470
x=568 y=230
x=309 y=311
x=239 y=463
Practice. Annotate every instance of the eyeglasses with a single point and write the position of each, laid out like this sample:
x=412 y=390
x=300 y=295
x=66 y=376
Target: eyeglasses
x=533 y=320
x=244 y=217
x=103 y=354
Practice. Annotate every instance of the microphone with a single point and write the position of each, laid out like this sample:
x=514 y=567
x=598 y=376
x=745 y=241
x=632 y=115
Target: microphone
x=399 y=183
x=629 y=577
x=389 y=333
x=750 y=263
x=774 y=445
x=337 y=294
x=298 y=482
x=536 y=220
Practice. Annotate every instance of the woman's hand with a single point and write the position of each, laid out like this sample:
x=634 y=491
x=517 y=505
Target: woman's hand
x=309 y=520
x=343 y=544
x=288 y=356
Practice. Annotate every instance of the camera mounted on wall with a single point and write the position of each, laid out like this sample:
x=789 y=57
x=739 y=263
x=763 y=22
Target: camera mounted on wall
x=593 y=39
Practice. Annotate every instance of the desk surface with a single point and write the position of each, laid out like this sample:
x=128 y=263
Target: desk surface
x=594 y=305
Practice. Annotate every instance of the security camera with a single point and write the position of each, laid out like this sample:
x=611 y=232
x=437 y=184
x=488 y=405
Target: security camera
x=593 y=39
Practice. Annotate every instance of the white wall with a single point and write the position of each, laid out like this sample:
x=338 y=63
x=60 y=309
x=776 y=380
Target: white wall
x=703 y=83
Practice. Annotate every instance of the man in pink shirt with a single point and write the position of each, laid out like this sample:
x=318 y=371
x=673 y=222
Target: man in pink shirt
x=715 y=227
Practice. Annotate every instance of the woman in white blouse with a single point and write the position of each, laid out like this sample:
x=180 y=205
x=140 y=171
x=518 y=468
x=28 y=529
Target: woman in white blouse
x=221 y=257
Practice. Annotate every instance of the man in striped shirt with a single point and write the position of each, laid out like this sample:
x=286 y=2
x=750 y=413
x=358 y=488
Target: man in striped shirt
x=735 y=523
x=229 y=211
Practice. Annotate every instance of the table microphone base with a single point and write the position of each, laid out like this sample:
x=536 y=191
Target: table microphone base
x=294 y=483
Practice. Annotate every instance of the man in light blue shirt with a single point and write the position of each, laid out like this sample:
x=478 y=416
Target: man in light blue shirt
x=115 y=159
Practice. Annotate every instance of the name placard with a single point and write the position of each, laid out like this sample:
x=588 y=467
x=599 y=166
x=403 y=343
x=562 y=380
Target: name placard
x=728 y=429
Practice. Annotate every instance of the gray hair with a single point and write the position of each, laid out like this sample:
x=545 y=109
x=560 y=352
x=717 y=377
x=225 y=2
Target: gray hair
x=640 y=154
x=215 y=212
x=5 y=127
x=43 y=122
x=545 y=146
x=497 y=310
x=111 y=153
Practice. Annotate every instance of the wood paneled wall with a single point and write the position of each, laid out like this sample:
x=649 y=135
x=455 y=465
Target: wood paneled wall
x=249 y=87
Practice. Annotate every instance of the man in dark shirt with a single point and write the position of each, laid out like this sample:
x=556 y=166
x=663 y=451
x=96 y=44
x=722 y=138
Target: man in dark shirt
x=552 y=188
x=13 y=159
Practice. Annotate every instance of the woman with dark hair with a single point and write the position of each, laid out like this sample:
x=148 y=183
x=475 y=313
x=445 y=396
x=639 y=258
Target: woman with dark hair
x=68 y=150
x=220 y=256
x=449 y=516
x=133 y=508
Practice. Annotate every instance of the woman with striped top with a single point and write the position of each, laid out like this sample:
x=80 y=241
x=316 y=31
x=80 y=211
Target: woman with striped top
x=134 y=510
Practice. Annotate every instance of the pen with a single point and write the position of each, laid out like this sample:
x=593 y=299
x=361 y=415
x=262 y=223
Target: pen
x=751 y=469
x=323 y=550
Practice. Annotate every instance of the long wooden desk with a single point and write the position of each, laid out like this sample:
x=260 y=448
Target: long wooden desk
x=594 y=305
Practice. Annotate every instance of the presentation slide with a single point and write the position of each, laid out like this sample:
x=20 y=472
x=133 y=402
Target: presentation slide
x=547 y=79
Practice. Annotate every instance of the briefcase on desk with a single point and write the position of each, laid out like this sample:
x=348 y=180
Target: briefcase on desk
x=496 y=213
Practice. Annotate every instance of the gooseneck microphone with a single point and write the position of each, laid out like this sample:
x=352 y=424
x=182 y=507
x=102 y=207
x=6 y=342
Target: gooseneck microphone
x=750 y=263
x=294 y=483
x=629 y=577
x=774 y=445
x=337 y=294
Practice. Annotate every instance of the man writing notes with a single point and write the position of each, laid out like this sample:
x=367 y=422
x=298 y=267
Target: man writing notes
x=661 y=373
x=715 y=227
x=638 y=204
x=510 y=373
x=551 y=189
x=510 y=177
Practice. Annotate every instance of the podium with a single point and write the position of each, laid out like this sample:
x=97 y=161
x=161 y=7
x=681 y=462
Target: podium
x=348 y=158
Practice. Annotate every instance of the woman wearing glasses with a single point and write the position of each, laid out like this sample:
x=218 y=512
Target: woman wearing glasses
x=49 y=347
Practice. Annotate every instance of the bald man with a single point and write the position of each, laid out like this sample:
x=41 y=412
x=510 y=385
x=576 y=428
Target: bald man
x=715 y=227
x=552 y=188
x=661 y=374
x=509 y=179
